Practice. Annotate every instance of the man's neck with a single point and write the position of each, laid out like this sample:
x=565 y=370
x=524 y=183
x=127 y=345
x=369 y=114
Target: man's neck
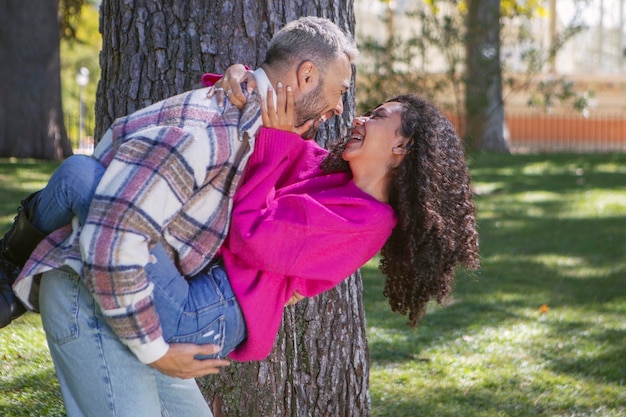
x=263 y=81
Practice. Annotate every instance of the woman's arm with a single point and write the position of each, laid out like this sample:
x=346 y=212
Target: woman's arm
x=280 y=116
x=322 y=235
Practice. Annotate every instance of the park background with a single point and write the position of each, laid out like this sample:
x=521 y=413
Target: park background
x=575 y=102
x=539 y=330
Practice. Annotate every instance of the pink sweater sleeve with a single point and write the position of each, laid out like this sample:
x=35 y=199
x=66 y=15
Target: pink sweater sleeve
x=319 y=228
x=210 y=79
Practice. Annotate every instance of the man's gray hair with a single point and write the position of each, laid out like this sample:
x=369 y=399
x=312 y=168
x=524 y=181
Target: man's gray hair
x=310 y=38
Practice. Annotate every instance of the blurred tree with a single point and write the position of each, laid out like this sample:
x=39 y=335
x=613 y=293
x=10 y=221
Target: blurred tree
x=31 y=115
x=485 y=125
x=464 y=38
x=157 y=48
x=81 y=50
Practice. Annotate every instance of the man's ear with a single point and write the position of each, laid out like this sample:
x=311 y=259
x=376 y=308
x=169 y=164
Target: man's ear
x=308 y=76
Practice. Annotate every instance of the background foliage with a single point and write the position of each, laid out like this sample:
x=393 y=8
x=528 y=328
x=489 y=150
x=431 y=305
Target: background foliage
x=435 y=31
x=80 y=50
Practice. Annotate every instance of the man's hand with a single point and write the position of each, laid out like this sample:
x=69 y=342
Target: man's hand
x=180 y=361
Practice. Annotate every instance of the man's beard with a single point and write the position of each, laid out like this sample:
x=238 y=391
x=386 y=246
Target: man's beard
x=310 y=107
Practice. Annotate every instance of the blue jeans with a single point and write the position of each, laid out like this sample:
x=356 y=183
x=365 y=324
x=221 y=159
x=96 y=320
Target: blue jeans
x=200 y=310
x=97 y=374
x=69 y=192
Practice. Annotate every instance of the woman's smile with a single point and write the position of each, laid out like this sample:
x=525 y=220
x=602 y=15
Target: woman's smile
x=374 y=137
x=356 y=137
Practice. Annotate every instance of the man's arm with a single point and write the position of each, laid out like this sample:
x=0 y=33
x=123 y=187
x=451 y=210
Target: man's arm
x=146 y=184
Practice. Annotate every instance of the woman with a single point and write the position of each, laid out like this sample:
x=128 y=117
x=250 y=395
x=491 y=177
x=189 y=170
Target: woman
x=402 y=161
x=430 y=194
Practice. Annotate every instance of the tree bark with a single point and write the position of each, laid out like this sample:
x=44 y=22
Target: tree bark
x=319 y=365
x=31 y=115
x=155 y=49
x=484 y=104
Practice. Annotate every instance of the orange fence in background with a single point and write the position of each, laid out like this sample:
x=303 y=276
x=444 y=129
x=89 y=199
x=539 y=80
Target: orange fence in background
x=597 y=133
x=566 y=133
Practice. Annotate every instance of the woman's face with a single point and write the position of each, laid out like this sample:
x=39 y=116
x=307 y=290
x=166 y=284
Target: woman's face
x=376 y=141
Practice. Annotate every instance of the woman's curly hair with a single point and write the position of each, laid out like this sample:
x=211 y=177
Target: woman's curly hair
x=432 y=197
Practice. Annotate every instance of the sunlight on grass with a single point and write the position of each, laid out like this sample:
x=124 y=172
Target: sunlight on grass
x=27 y=380
x=574 y=267
x=597 y=203
x=562 y=266
x=610 y=168
x=539 y=330
x=504 y=370
x=481 y=188
x=28 y=385
x=538 y=197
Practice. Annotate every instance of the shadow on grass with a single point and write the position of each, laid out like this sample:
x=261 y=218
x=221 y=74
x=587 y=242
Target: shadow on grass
x=487 y=401
x=35 y=392
x=535 y=252
x=604 y=362
x=18 y=179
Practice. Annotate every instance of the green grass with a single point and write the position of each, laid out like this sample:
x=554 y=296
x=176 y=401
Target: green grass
x=552 y=232
x=28 y=385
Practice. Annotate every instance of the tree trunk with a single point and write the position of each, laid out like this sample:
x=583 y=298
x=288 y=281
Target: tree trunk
x=31 y=115
x=319 y=365
x=484 y=105
x=155 y=49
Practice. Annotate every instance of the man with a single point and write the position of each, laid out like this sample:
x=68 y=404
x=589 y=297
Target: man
x=166 y=181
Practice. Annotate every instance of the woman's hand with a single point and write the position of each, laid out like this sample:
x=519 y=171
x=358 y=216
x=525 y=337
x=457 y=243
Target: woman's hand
x=230 y=85
x=281 y=115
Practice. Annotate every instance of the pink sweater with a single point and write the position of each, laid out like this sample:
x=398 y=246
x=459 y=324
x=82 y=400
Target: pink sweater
x=294 y=228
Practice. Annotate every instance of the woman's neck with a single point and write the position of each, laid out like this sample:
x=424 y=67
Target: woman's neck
x=375 y=185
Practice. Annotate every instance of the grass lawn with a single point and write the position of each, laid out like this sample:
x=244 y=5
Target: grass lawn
x=539 y=330
x=28 y=385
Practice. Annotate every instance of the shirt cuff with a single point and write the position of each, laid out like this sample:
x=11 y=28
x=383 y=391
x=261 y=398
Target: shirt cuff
x=150 y=352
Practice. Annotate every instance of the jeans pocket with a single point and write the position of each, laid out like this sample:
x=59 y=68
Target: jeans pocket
x=59 y=305
x=212 y=334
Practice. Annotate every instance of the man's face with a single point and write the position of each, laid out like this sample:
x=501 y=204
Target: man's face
x=326 y=99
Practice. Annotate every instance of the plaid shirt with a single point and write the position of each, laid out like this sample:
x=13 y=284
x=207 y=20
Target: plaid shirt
x=172 y=169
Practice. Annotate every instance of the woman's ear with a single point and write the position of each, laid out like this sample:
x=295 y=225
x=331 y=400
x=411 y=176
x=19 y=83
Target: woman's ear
x=399 y=149
x=308 y=76
x=404 y=145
